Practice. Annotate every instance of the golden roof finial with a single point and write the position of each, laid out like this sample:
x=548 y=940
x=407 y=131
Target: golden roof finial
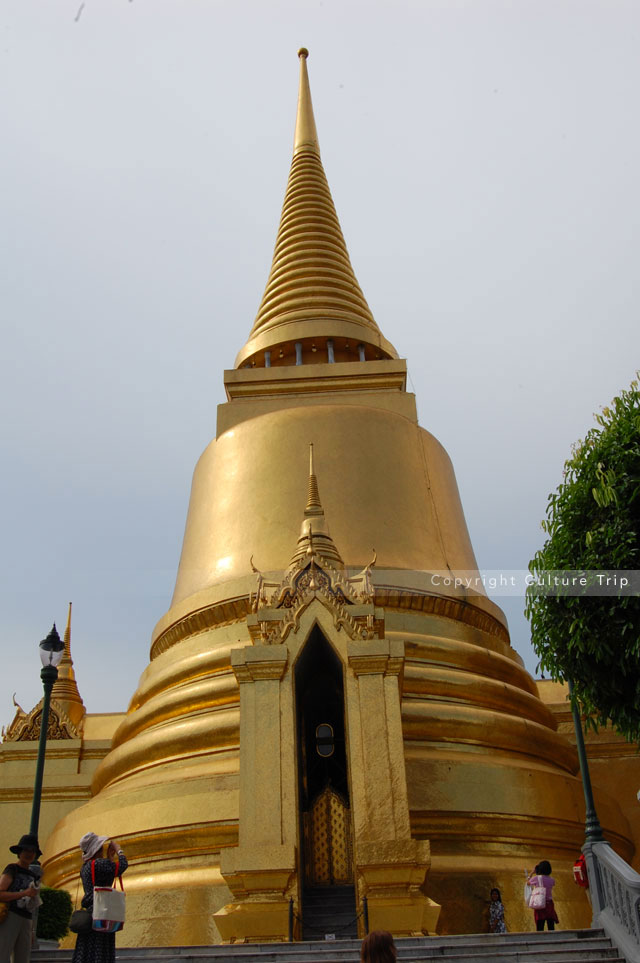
x=312 y=291
x=315 y=539
x=313 y=500
x=306 y=135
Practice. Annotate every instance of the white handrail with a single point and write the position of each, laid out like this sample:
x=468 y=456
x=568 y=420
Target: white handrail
x=615 y=898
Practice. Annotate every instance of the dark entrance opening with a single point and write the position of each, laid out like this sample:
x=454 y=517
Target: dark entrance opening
x=328 y=894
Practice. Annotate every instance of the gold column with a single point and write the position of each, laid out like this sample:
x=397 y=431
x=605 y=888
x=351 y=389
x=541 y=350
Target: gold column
x=260 y=870
x=391 y=866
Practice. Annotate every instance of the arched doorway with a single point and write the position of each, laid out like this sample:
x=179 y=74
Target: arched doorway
x=325 y=811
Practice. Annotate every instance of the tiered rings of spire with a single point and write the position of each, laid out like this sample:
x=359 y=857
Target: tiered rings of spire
x=313 y=308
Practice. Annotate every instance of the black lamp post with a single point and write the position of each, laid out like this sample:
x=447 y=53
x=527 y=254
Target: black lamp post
x=593 y=829
x=51 y=652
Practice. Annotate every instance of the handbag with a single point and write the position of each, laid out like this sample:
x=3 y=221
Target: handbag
x=538 y=898
x=108 y=904
x=527 y=893
x=81 y=921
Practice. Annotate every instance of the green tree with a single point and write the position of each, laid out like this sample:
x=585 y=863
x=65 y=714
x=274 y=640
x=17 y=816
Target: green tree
x=54 y=913
x=593 y=523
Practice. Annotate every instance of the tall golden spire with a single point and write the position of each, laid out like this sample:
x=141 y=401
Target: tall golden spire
x=312 y=296
x=306 y=135
x=65 y=690
x=315 y=539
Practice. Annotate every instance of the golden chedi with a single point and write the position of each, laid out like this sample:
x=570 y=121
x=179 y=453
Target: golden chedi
x=318 y=712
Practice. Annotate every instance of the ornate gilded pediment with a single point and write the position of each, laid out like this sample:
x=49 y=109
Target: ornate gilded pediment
x=317 y=572
x=26 y=725
x=278 y=606
x=66 y=710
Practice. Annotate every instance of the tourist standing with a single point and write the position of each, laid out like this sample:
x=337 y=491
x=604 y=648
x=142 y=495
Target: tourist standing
x=496 y=913
x=541 y=876
x=94 y=946
x=18 y=892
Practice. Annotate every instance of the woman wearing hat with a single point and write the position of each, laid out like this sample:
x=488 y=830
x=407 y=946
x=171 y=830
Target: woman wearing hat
x=17 y=891
x=97 y=947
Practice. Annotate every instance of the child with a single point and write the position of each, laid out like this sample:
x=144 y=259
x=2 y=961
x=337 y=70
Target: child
x=541 y=876
x=496 y=913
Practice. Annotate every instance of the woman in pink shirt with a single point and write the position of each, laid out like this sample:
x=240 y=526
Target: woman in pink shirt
x=541 y=876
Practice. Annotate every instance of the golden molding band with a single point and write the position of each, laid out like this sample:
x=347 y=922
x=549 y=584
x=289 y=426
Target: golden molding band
x=235 y=610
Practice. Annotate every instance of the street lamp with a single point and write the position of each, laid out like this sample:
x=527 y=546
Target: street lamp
x=593 y=829
x=51 y=652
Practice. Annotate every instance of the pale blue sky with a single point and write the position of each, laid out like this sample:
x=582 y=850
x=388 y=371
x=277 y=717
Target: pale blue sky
x=483 y=157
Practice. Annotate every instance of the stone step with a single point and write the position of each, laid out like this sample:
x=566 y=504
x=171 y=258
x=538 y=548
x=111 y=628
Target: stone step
x=484 y=939
x=330 y=909
x=335 y=895
x=511 y=955
x=330 y=906
x=62 y=956
x=561 y=946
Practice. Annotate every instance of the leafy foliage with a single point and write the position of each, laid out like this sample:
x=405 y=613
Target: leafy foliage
x=593 y=523
x=54 y=914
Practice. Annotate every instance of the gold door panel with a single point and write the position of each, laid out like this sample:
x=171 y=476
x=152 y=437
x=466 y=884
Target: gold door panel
x=327 y=835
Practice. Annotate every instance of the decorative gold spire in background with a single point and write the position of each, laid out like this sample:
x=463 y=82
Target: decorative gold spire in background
x=67 y=638
x=65 y=690
x=311 y=280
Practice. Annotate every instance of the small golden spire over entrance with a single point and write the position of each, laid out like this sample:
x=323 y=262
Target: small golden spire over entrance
x=313 y=501
x=315 y=539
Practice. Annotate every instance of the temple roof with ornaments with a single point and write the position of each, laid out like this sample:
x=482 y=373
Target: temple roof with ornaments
x=67 y=711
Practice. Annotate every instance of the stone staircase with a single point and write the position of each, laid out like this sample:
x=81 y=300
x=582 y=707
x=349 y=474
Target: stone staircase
x=329 y=910
x=562 y=946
